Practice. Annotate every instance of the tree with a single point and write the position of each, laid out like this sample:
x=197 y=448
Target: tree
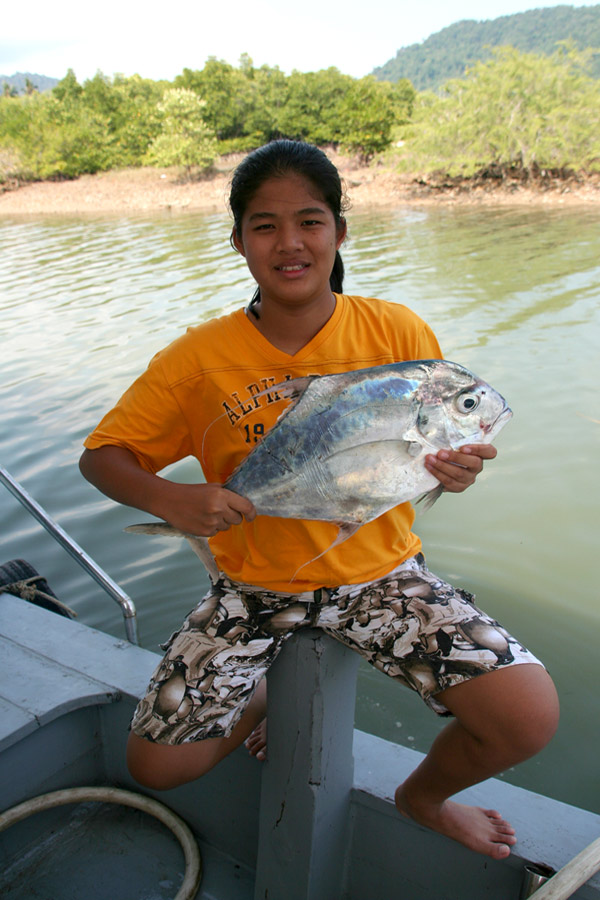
x=218 y=84
x=367 y=115
x=515 y=110
x=130 y=109
x=68 y=90
x=311 y=110
x=185 y=139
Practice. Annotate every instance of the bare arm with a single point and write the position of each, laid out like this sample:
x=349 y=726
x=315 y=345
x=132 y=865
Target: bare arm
x=202 y=509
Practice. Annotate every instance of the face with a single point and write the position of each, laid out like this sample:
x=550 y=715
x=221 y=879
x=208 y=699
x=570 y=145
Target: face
x=289 y=239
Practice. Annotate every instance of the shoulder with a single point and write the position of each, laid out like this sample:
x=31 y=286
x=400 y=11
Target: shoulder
x=385 y=323
x=375 y=308
x=199 y=348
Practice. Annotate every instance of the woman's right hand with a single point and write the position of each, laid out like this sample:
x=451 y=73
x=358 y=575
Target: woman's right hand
x=200 y=509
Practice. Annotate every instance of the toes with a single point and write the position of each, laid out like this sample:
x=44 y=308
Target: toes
x=500 y=851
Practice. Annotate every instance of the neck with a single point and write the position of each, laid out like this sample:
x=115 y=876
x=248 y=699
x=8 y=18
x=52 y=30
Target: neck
x=291 y=328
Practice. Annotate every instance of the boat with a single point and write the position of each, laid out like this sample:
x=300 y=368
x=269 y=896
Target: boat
x=316 y=821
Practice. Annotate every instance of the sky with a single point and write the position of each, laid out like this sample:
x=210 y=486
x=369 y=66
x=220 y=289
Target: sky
x=154 y=40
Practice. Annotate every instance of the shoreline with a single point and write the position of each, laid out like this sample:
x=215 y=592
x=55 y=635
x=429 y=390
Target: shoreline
x=155 y=190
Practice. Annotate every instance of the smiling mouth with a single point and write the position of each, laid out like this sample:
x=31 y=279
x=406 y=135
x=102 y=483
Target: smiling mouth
x=296 y=268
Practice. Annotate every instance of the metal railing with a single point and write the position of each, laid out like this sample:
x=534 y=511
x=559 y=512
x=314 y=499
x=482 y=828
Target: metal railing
x=80 y=556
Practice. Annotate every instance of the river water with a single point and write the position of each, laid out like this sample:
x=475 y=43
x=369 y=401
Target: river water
x=511 y=294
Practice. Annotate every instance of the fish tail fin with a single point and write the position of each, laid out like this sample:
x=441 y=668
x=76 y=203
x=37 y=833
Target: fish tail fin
x=199 y=545
x=430 y=498
x=346 y=530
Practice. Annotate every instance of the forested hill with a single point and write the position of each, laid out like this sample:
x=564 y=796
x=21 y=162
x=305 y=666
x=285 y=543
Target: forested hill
x=22 y=81
x=447 y=53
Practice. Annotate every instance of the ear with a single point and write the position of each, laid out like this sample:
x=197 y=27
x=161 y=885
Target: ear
x=236 y=241
x=342 y=232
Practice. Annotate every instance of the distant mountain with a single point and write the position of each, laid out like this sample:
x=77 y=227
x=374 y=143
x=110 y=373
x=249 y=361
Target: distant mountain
x=448 y=52
x=18 y=81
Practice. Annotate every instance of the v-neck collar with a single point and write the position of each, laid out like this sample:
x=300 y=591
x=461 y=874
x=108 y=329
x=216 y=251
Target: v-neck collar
x=274 y=353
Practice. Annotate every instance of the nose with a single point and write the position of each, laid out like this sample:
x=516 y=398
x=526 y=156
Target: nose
x=290 y=238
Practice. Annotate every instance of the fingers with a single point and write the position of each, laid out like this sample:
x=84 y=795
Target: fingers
x=204 y=509
x=241 y=505
x=226 y=509
x=456 y=470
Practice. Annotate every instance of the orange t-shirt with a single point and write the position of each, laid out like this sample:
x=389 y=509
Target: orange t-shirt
x=199 y=397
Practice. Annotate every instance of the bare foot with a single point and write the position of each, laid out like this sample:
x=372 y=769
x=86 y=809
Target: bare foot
x=256 y=742
x=482 y=830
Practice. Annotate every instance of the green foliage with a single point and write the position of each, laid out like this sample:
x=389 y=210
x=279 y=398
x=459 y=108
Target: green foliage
x=368 y=113
x=185 y=139
x=517 y=109
x=311 y=109
x=51 y=139
x=447 y=53
x=129 y=106
x=77 y=128
x=241 y=105
x=513 y=110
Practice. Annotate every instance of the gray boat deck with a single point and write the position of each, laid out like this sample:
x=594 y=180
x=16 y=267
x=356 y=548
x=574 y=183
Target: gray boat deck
x=316 y=822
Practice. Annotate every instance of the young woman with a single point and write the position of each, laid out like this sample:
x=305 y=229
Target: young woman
x=374 y=591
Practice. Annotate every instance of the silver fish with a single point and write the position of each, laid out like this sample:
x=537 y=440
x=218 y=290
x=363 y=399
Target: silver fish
x=352 y=446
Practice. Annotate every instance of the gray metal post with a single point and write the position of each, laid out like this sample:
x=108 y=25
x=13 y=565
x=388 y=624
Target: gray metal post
x=73 y=549
x=306 y=782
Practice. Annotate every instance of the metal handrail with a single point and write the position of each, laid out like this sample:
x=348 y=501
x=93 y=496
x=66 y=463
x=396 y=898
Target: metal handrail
x=72 y=547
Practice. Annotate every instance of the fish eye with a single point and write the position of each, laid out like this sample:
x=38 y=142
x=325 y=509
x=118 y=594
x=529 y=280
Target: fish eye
x=467 y=402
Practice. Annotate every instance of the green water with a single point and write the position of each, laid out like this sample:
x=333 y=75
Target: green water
x=513 y=295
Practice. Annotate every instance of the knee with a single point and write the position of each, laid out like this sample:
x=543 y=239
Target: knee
x=515 y=709
x=147 y=765
x=146 y=775
x=531 y=717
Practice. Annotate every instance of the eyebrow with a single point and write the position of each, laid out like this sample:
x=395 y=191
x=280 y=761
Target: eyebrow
x=309 y=210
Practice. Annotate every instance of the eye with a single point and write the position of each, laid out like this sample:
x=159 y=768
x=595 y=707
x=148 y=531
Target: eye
x=467 y=402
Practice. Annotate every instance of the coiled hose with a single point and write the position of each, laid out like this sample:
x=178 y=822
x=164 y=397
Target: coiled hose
x=181 y=831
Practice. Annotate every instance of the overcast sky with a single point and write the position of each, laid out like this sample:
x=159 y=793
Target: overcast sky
x=157 y=40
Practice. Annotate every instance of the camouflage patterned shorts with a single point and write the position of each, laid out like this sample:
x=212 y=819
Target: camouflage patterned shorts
x=409 y=624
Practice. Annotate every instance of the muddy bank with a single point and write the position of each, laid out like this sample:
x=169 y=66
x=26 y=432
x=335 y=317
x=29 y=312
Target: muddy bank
x=147 y=189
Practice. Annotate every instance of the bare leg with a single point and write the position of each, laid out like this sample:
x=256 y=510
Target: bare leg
x=502 y=718
x=161 y=767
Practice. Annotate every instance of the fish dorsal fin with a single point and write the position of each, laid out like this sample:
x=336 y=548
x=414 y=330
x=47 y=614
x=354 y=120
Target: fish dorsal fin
x=199 y=544
x=345 y=531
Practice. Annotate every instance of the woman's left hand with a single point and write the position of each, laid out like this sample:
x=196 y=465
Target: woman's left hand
x=457 y=470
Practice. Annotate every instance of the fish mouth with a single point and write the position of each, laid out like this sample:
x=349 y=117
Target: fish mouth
x=499 y=422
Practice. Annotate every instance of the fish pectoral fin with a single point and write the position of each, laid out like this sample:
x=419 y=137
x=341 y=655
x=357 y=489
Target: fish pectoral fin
x=345 y=531
x=430 y=497
x=199 y=544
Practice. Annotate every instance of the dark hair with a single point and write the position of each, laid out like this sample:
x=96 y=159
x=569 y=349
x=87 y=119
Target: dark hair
x=276 y=160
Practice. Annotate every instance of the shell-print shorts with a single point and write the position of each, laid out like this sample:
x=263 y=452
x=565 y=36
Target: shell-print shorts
x=409 y=624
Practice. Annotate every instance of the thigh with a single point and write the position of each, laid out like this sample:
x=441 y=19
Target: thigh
x=420 y=630
x=214 y=663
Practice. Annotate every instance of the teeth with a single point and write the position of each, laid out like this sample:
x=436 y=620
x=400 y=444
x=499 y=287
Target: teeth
x=291 y=268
